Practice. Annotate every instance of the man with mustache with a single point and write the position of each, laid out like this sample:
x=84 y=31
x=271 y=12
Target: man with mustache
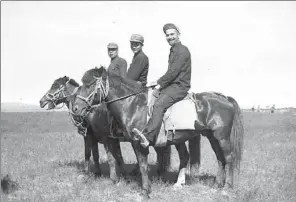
x=139 y=67
x=172 y=87
x=117 y=65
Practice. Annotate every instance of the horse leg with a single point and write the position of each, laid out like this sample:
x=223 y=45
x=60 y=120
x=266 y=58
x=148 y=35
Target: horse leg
x=220 y=179
x=194 y=151
x=118 y=155
x=87 y=153
x=95 y=153
x=142 y=157
x=111 y=155
x=184 y=158
x=163 y=159
x=229 y=178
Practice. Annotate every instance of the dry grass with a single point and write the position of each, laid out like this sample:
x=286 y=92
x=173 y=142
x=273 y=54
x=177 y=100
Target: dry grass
x=43 y=153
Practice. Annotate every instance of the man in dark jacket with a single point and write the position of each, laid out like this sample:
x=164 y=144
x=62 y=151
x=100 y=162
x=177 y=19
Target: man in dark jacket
x=117 y=65
x=139 y=67
x=173 y=86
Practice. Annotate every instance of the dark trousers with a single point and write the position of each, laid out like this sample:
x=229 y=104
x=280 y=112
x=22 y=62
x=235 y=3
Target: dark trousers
x=162 y=103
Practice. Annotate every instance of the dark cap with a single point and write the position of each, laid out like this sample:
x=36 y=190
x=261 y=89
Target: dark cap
x=170 y=26
x=137 y=38
x=112 y=45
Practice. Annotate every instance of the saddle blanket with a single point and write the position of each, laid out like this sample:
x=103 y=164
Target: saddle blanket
x=180 y=116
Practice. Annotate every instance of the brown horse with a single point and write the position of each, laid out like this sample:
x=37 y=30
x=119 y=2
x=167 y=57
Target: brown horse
x=218 y=118
x=96 y=129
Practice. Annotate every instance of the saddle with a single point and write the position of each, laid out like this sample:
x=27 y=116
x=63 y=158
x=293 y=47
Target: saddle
x=180 y=116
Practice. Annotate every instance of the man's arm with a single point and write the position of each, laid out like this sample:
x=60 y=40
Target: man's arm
x=174 y=70
x=123 y=68
x=136 y=69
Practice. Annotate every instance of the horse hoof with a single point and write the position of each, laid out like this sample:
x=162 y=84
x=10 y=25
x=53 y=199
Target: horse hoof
x=98 y=174
x=115 y=180
x=177 y=186
x=119 y=183
x=144 y=195
x=218 y=185
x=228 y=186
x=135 y=172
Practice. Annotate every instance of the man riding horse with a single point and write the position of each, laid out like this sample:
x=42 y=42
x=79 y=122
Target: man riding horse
x=172 y=87
x=138 y=70
x=117 y=65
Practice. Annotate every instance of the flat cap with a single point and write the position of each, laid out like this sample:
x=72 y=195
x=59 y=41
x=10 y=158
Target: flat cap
x=170 y=26
x=137 y=38
x=112 y=45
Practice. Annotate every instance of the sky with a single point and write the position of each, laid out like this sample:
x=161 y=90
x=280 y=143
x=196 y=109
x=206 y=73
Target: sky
x=246 y=50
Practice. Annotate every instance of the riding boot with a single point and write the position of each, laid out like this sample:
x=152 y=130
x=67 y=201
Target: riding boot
x=140 y=136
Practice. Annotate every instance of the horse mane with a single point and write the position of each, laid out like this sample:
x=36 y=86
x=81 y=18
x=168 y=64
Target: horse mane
x=114 y=79
x=74 y=83
x=63 y=81
x=89 y=76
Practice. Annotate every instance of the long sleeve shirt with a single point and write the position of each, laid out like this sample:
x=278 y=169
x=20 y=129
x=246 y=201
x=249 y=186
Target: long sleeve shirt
x=139 y=67
x=118 y=66
x=177 y=80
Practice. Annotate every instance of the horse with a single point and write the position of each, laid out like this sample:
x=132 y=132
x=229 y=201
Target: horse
x=62 y=91
x=97 y=129
x=218 y=117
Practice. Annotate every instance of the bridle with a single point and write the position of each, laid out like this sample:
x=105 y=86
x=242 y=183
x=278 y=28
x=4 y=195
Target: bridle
x=60 y=94
x=104 y=90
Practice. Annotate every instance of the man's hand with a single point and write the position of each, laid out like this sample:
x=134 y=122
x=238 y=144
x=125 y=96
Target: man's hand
x=154 y=85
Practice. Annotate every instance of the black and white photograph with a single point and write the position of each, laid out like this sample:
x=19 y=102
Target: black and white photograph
x=171 y=101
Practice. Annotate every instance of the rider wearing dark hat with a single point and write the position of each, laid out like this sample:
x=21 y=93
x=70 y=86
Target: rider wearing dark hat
x=173 y=86
x=117 y=65
x=139 y=67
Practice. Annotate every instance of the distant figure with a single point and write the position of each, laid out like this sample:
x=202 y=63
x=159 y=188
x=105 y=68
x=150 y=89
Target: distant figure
x=253 y=108
x=258 y=108
x=272 y=109
x=117 y=65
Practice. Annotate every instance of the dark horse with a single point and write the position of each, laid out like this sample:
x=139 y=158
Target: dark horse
x=63 y=90
x=218 y=118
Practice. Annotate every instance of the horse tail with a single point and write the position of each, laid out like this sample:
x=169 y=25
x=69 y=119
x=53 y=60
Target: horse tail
x=236 y=136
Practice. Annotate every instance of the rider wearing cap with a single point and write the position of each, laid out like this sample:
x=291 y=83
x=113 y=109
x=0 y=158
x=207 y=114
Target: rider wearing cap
x=139 y=67
x=117 y=65
x=173 y=86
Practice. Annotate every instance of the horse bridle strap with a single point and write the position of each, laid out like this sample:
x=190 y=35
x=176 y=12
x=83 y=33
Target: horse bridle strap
x=124 y=97
x=99 y=86
x=53 y=97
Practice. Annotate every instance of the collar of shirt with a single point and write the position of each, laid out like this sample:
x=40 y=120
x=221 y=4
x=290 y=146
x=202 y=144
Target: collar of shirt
x=114 y=58
x=175 y=47
x=135 y=55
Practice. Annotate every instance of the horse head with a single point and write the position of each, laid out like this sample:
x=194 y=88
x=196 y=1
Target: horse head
x=60 y=91
x=93 y=91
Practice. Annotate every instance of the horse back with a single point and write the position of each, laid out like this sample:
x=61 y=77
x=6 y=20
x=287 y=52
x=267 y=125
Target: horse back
x=214 y=110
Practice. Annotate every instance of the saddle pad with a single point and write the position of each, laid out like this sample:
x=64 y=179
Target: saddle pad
x=180 y=116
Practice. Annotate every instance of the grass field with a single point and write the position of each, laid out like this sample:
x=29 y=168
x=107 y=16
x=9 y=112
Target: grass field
x=43 y=153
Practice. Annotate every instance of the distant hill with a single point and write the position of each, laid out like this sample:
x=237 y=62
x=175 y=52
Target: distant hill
x=22 y=107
